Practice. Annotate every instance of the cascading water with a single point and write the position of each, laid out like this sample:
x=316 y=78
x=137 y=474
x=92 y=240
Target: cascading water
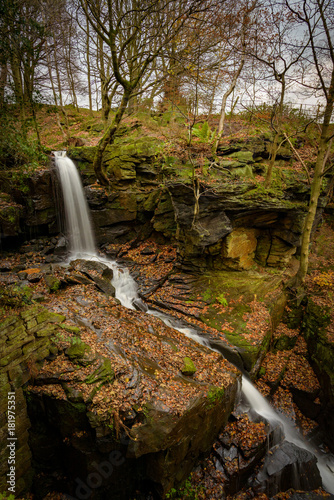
x=76 y=209
x=83 y=245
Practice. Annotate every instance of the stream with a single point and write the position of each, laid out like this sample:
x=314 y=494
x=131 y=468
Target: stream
x=82 y=246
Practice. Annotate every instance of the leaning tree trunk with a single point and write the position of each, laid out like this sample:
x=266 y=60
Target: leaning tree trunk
x=108 y=138
x=325 y=143
x=312 y=210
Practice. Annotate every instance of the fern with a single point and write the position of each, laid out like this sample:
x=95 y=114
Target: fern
x=204 y=133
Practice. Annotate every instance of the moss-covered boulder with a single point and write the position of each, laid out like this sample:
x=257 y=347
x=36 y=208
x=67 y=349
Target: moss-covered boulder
x=52 y=282
x=10 y=213
x=150 y=394
x=103 y=373
x=80 y=352
x=242 y=156
x=188 y=367
x=242 y=306
x=131 y=157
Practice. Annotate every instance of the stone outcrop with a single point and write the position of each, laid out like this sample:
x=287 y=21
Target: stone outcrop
x=318 y=326
x=132 y=417
x=236 y=226
x=239 y=448
x=123 y=398
x=29 y=207
x=24 y=342
x=288 y=466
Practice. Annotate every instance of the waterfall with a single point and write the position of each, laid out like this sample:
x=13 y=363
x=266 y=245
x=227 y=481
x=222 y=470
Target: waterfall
x=83 y=245
x=78 y=222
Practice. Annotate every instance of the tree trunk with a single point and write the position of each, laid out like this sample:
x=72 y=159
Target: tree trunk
x=315 y=188
x=106 y=102
x=221 y=120
x=273 y=153
x=212 y=100
x=277 y=129
x=312 y=210
x=89 y=83
x=3 y=82
x=108 y=138
x=229 y=91
x=18 y=86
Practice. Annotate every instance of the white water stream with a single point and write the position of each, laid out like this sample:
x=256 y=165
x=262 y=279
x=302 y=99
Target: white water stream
x=82 y=245
x=79 y=227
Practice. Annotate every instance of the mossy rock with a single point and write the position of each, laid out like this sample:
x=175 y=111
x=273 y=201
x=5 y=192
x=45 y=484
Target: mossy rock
x=243 y=156
x=284 y=343
x=15 y=296
x=10 y=219
x=239 y=289
x=230 y=164
x=49 y=317
x=85 y=153
x=151 y=201
x=71 y=329
x=104 y=373
x=52 y=283
x=243 y=171
x=72 y=394
x=215 y=395
x=164 y=217
x=137 y=149
x=123 y=158
x=320 y=347
x=81 y=353
x=188 y=368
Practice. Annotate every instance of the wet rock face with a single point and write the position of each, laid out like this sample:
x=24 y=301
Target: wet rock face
x=238 y=449
x=318 y=328
x=24 y=342
x=286 y=466
x=10 y=213
x=239 y=248
x=29 y=208
x=237 y=224
x=244 y=460
x=128 y=403
x=121 y=382
x=235 y=227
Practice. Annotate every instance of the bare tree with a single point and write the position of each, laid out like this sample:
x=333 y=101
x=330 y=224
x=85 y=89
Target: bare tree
x=317 y=17
x=24 y=35
x=244 y=12
x=136 y=33
x=277 y=49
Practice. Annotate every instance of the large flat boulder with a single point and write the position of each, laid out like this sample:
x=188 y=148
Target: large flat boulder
x=122 y=386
